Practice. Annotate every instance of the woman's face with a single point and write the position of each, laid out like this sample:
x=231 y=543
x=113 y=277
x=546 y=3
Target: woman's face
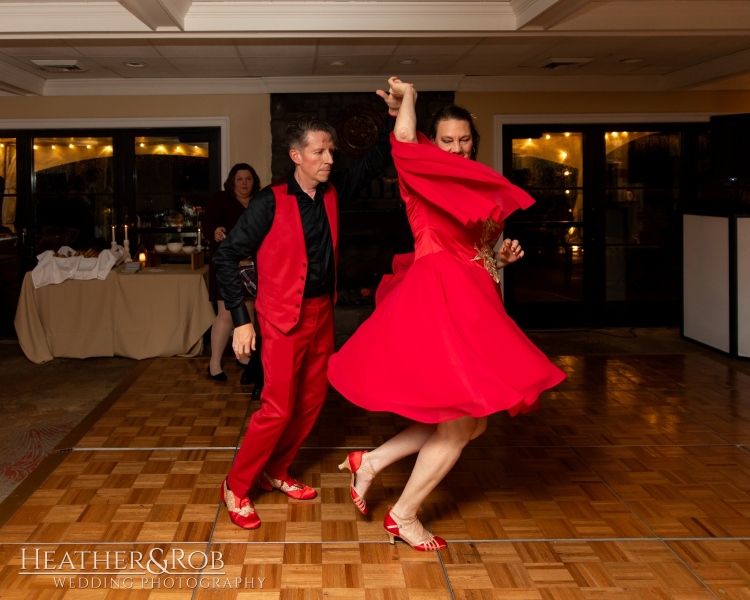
x=455 y=137
x=243 y=183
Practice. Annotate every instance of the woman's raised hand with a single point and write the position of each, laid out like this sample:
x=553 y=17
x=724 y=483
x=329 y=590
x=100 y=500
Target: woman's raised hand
x=508 y=253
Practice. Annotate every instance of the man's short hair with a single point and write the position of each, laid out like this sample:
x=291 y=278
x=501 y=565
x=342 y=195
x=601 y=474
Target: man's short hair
x=297 y=130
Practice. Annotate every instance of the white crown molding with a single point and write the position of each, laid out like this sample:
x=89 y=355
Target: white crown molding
x=725 y=67
x=154 y=87
x=561 y=83
x=222 y=122
x=18 y=82
x=544 y=14
x=370 y=17
x=322 y=84
x=96 y=17
x=289 y=85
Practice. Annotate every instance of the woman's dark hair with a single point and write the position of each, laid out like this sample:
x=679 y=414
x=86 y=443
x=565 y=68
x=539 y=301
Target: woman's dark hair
x=229 y=183
x=454 y=113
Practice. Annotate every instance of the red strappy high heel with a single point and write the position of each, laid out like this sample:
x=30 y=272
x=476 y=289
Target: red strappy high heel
x=353 y=463
x=431 y=544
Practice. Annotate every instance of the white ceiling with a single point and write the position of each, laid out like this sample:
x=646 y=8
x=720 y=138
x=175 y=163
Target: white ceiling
x=212 y=46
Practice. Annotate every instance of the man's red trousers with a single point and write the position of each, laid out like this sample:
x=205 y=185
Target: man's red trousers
x=295 y=366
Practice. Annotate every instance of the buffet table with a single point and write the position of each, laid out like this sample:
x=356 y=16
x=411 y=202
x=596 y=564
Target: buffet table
x=160 y=311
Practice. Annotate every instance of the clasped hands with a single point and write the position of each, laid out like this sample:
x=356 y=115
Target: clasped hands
x=508 y=253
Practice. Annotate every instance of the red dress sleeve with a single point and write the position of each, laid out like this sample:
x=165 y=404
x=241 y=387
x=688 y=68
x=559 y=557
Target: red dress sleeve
x=467 y=190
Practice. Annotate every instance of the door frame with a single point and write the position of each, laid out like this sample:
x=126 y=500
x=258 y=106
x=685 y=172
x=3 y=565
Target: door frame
x=130 y=123
x=594 y=310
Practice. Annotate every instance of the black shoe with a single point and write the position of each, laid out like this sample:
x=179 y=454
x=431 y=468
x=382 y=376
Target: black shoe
x=248 y=375
x=256 y=392
x=218 y=377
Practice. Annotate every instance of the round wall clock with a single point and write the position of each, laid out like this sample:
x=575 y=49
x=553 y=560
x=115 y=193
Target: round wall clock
x=357 y=127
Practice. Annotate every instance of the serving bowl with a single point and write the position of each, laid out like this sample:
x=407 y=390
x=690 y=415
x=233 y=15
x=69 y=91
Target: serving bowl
x=174 y=246
x=188 y=249
x=160 y=247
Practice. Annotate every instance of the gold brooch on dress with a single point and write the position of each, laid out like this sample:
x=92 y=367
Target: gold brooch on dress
x=485 y=247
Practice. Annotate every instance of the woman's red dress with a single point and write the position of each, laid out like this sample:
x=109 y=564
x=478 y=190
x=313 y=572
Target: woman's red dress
x=440 y=345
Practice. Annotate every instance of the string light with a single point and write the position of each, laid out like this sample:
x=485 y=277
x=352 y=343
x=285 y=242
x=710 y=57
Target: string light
x=566 y=173
x=567 y=134
x=2 y=145
x=53 y=146
x=142 y=144
x=71 y=146
x=563 y=155
x=88 y=145
x=548 y=136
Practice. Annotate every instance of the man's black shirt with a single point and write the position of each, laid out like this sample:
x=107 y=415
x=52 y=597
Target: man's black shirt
x=255 y=223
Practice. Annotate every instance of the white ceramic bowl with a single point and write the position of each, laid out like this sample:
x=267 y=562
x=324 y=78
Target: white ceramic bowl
x=160 y=247
x=174 y=246
x=188 y=249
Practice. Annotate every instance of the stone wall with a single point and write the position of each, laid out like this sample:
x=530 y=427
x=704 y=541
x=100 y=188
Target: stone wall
x=373 y=225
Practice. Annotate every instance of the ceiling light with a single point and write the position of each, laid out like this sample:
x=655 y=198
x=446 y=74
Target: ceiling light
x=2 y=145
x=35 y=147
x=631 y=61
x=548 y=136
x=70 y=146
x=408 y=61
x=336 y=63
x=53 y=146
x=142 y=144
x=135 y=64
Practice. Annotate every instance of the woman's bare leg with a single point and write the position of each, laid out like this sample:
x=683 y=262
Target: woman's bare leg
x=437 y=456
x=403 y=444
x=220 y=330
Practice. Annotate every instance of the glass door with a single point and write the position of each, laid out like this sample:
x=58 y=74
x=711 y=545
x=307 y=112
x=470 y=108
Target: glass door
x=551 y=280
x=642 y=221
x=73 y=192
x=10 y=255
x=174 y=175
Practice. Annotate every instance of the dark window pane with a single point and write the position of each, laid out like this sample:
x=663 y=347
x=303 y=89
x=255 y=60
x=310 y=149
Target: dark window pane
x=80 y=222
x=552 y=267
x=638 y=158
x=167 y=165
x=73 y=166
x=553 y=160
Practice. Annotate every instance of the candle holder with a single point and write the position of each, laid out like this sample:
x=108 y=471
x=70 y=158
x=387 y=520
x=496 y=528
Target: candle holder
x=126 y=250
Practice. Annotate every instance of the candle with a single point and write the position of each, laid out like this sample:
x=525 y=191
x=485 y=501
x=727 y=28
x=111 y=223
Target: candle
x=199 y=236
x=113 y=233
x=142 y=257
x=126 y=232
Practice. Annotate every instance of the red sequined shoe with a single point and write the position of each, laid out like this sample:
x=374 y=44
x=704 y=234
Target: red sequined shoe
x=289 y=486
x=241 y=510
x=431 y=544
x=353 y=464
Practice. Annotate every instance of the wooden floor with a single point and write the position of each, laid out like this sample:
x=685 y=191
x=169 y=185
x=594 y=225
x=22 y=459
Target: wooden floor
x=631 y=481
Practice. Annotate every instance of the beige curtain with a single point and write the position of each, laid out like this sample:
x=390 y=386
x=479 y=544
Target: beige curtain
x=8 y=214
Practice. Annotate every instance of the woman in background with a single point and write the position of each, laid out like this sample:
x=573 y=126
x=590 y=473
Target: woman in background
x=221 y=215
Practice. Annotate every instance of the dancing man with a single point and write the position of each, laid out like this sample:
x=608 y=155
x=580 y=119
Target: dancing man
x=291 y=227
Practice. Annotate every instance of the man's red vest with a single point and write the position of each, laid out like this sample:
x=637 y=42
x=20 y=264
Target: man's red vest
x=282 y=258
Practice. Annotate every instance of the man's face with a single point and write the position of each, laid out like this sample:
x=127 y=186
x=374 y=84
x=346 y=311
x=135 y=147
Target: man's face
x=314 y=161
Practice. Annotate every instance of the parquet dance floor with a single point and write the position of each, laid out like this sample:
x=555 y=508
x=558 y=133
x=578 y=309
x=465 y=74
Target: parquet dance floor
x=631 y=482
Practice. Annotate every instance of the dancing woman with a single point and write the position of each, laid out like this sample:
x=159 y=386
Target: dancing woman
x=440 y=340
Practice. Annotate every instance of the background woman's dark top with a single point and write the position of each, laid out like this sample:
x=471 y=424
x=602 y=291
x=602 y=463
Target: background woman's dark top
x=222 y=210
